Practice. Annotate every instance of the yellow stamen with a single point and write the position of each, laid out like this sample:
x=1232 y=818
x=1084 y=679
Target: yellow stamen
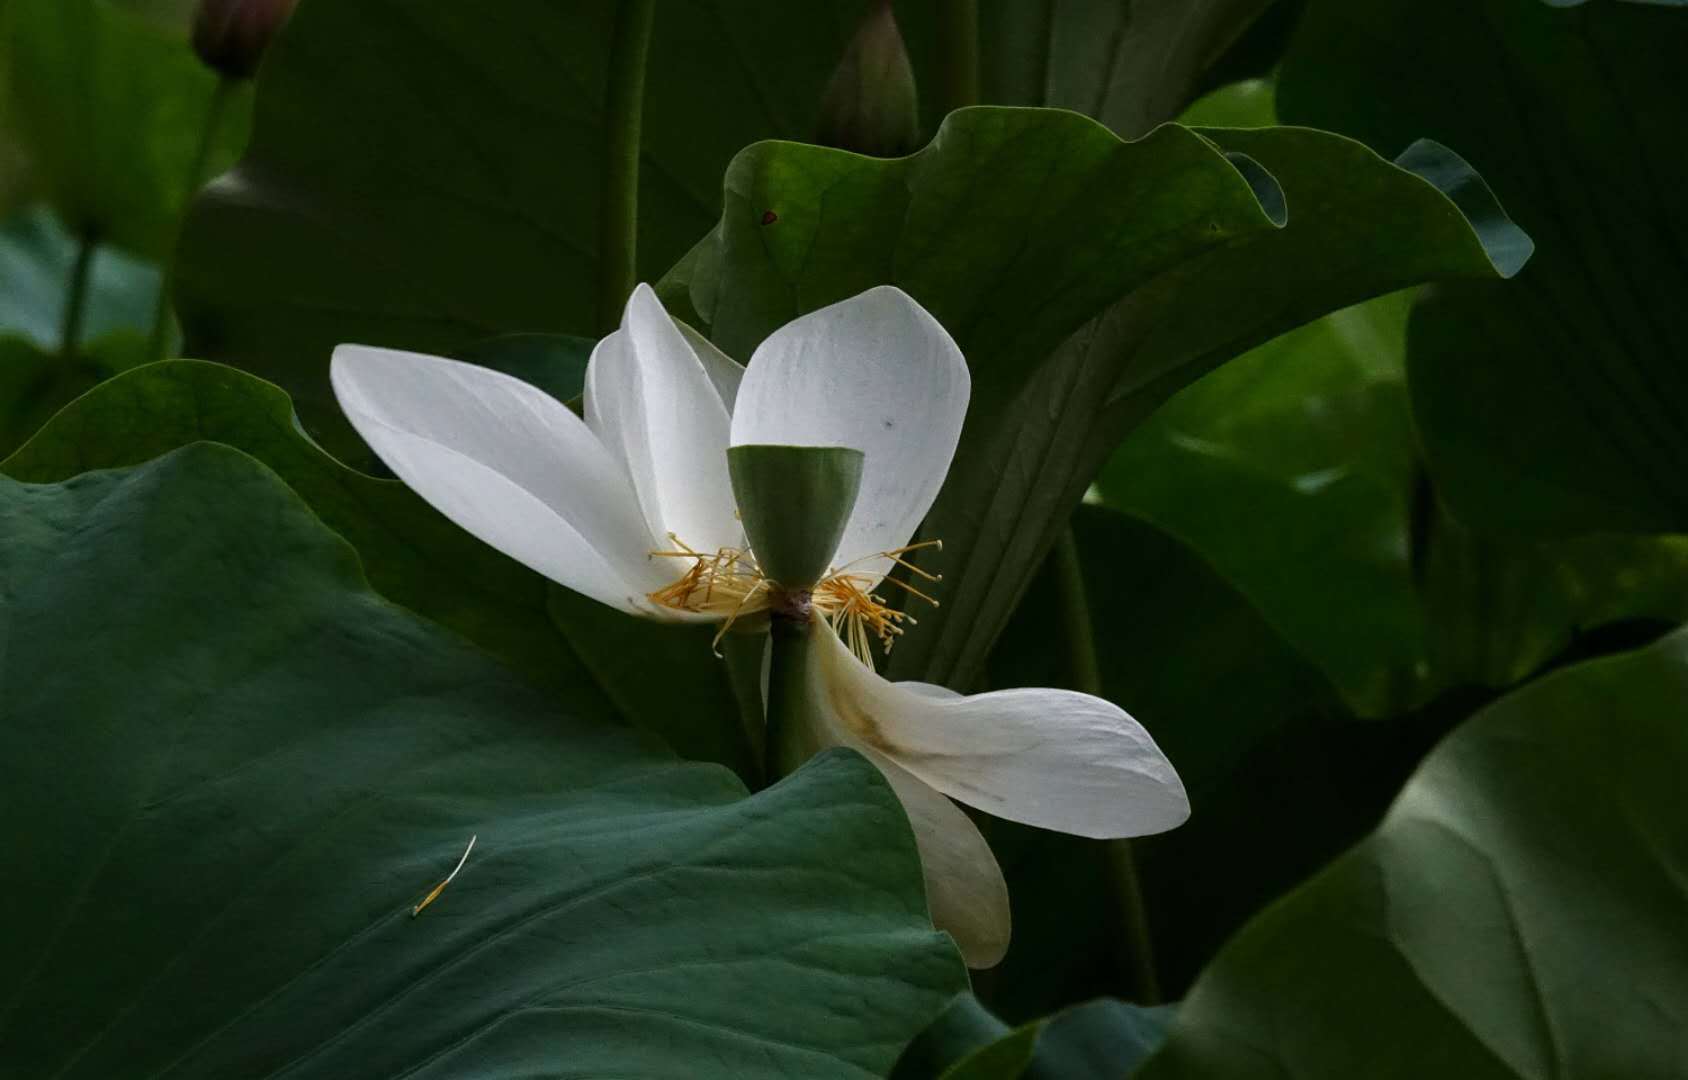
x=859 y=616
x=728 y=583
x=437 y=889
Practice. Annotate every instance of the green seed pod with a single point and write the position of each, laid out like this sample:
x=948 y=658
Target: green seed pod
x=795 y=502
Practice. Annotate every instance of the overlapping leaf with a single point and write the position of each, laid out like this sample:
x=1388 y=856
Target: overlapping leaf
x=1518 y=914
x=1086 y=282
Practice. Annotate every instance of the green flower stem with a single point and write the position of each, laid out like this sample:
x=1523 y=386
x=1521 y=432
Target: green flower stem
x=196 y=176
x=958 y=59
x=618 y=217
x=743 y=654
x=1122 y=875
x=76 y=299
x=1085 y=675
x=791 y=628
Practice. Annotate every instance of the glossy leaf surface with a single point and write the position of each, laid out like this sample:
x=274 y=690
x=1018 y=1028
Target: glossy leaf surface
x=246 y=772
x=1518 y=913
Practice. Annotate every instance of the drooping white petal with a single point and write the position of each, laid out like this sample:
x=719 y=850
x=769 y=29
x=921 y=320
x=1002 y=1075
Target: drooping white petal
x=964 y=886
x=1052 y=758
x=505 y=461
x=652 y=402
x=876 y=373
x=965 y=890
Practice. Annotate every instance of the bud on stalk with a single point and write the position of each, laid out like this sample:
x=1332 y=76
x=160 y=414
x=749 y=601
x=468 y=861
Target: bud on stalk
x=870 y=106
x=230 y=36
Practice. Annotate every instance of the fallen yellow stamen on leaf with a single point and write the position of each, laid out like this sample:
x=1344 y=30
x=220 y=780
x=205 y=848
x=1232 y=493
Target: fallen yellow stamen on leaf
x=437 y=889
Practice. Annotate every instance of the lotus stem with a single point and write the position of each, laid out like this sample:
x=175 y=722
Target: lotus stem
x=1085 y=676
x=791 y=629
x=76 y=299
x=214 y=110
x=624 y=105
x=958 y=59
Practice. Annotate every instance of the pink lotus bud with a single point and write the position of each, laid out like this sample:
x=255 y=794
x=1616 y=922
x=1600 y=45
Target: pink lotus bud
x=870 y=106
x=230 y=36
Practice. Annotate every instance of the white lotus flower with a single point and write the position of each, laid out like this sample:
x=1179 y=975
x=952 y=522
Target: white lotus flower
x=633 y=506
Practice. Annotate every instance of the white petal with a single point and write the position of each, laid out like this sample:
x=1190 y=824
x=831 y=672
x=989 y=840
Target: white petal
x=1052 y=758
x=964 y=886
x=965 y=890
x=725 y=372
x=505 y=461
x=652 y=402
x=932 y=690
x=875 y=373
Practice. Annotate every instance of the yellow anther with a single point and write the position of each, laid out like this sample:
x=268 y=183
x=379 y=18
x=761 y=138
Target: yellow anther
x=860 y=616
x=434 y=893
x=727 y=583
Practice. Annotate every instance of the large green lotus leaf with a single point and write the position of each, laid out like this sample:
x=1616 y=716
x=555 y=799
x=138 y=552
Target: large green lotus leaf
x=108 y=106
x=1518 y=914
x=1087 y=282
x=1554 y=403
x=1291 y=469
x=425 y=174
x=233 y=771
x=413 y=555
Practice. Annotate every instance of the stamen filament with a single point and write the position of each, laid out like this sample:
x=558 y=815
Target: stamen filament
x=434 y=893
x=726 y=583
x=729 y=584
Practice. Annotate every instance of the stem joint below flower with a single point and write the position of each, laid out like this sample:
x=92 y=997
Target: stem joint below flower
x=791 y=605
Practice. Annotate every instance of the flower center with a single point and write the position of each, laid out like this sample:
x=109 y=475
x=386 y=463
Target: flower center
x=728 y=583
